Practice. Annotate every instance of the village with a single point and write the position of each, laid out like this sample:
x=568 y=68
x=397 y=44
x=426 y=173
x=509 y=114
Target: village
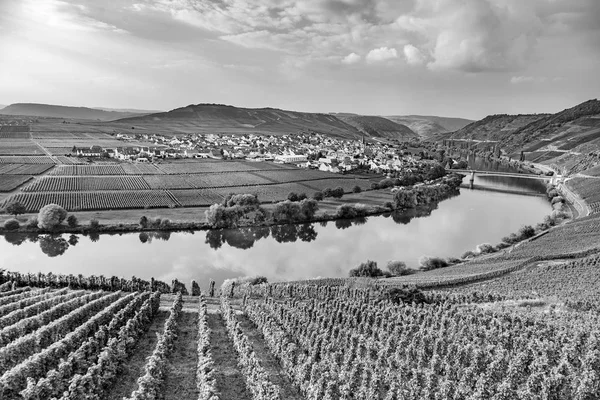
x=304 y=149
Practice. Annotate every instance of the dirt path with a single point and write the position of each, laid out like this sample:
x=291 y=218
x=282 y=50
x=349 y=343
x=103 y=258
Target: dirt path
x=230 y=381
x=134 y=367
x=180 y=381
x=276 y=374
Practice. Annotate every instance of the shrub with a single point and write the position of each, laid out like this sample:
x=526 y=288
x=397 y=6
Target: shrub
x=302 y=196
x=389 y=204
x=292 y=196
x=72 y=221
x=15 y=208
x=346 y=211
x=453 y=260
x=308 y=209
x=404 y=295
x=399 y=268
x=557 y=199
x=429 y=263
x=327 y=192
x=51 y=216
x=286 y=211
x=485 y=248
x=374 y=186
x=242 y=200
x=386 y=183
x=165 y=223
x=368 y=269
x=526 y=232
x=195 y=289
x=356 y=189
x=156 y=223
x=318 y=196
x=511 y=239
x=220 y=216
x=338 y=192
x=32 y=222
x=11 y=224
x=143 y=222
x=94 y=224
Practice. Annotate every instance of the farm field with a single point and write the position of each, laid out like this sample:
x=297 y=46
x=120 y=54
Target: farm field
x=587 y=188
x=9 y=183
x=264 y=341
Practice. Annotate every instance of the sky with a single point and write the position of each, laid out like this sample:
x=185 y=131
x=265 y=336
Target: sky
x=461 y=58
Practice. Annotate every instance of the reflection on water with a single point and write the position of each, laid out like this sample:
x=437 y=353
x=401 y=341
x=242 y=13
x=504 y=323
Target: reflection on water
x=283 y=252
x=513 y=184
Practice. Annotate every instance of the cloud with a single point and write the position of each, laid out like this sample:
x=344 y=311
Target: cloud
x=515 y=80
x=351 y=58
x=381 y=54
x=413 y=55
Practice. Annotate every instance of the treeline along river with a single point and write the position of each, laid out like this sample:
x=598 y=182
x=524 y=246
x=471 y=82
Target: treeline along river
x=284 y=252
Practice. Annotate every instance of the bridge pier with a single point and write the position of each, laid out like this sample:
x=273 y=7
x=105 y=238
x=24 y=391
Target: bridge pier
x=472 y=180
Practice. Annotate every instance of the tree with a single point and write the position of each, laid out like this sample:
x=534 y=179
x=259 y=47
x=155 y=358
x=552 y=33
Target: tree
x=356 y=189
x=51 y=216
x=318 y=196
x=367 y=269
x=398 y=268
x=72 y=221
x=338 y=192
x=429 y=263
x=15 y=208
x=526 y=232
x=292 y=196
x=144 y=221
x=11 y=224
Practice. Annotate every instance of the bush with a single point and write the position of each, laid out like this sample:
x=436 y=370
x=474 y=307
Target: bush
x=94 y=224
x=32 y=222
x=356 y=189
x=453 y=260
x=389 y=204
x=11 y=224
x=327 y=192
x=308 y=209
x=318 y=196
x=386 y=183
x=404 y=295
x=72 y=221
x=338 y=192
x=302 y=196
x=374 y=185
x=485 y=248
x=51 y=216
x=286 y=211
x=165 y=223
x=292 y=196
x=15 y=208
x=557 y=199
x=143 y=222
x=429 y=263
x=526 y=232
x=242 y=200
x=156 y=223
x=346 y=211
x=368 y=269
x=399 y=268
x=511 y=239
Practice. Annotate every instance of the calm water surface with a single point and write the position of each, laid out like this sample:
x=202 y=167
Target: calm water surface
x=285 y=252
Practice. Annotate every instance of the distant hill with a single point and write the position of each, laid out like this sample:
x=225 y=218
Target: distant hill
x=128 y=110
x=428 y=126
x=2 y=106
x=569 y=139
x=219 y=118
x=378 y=126
x=53 y=111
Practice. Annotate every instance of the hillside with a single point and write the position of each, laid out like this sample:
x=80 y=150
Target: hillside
x=378 y=126
x=569 y=139
x=429 y=126
x=54 y=111
x=218 y=118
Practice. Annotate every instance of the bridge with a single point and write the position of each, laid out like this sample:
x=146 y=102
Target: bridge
x=473 y=172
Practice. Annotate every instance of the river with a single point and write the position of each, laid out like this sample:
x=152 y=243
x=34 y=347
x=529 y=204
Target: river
x=287 y=252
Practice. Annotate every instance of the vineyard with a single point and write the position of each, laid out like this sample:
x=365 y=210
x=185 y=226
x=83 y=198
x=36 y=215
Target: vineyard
x=26 y=160
x=114 y=200
x=76 y=183
x=9 y=183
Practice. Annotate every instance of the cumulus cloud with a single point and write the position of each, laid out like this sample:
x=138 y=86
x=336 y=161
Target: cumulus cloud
x=381 y=54
x=413 y=55
x=351 y=58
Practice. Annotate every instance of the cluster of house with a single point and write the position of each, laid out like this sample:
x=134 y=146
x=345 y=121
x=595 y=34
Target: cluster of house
x=304 y=149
